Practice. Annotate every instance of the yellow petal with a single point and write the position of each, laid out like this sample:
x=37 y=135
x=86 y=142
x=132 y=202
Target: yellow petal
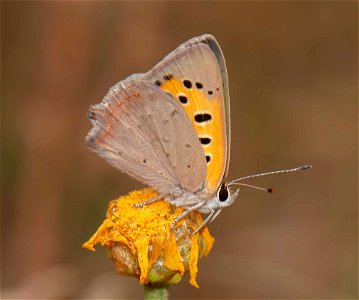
x=100 y=236
x=157 y=245
x=193 y=259
x=172 y=256
x=208 y=239
x=142 y=250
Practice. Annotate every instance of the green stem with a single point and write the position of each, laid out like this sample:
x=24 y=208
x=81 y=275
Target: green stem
x=156 y=292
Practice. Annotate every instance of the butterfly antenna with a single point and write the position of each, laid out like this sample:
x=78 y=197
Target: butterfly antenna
x=268 y=190
x=302 y=168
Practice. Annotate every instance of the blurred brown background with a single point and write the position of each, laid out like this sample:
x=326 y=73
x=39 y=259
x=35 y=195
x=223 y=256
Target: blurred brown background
x=293 y=78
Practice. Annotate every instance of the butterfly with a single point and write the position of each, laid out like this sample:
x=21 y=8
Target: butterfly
x=169 y=128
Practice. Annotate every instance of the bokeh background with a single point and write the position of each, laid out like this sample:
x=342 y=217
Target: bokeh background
x=293 y=75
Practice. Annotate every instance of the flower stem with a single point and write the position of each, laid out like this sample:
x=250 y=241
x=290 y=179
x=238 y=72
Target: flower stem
x=156 y=292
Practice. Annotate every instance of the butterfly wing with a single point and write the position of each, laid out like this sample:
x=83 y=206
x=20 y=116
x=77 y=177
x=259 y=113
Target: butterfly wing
x=195 y=75
x=141 y=130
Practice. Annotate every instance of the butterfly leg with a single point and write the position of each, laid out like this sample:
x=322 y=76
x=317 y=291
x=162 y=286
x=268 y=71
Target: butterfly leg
x=151 y=200
x=185 y=213
x=214 y=214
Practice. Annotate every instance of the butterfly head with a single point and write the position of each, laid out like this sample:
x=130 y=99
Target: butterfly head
x=224 y=197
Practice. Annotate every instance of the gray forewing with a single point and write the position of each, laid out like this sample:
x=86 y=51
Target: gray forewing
x=143 y=131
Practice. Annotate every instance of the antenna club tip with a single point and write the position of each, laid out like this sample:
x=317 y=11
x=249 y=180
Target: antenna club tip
x=306 y=167
x=270 y=190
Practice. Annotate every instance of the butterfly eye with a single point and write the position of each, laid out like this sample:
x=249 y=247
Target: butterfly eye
x=223 y=193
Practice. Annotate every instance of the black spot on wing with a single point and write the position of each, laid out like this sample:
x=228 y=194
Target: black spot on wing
x=157 y=82
x=183 y=99
x=202 y=117
x=168 y=77
x=208 y=158
x=210 y=92
x=187 y=84
x=205 y=140
x=199 y=85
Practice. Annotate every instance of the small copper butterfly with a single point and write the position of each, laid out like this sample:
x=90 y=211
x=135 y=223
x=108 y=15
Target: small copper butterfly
x=170 y=129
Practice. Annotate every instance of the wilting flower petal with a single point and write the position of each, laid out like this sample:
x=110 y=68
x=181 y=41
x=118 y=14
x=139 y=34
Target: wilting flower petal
x=140 y=243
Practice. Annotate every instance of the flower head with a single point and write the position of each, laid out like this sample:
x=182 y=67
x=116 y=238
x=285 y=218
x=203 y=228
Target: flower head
x=140 y=243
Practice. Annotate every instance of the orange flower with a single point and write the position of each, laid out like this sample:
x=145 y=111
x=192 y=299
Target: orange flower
x=140 y=243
